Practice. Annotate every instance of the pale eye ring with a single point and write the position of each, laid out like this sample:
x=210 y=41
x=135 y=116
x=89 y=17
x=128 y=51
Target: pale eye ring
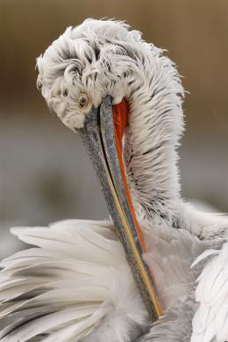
x=83 y=101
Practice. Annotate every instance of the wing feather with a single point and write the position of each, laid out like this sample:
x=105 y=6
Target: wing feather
x=66 y=284
x=85 y=244
x=210 y=322
x=47 y=322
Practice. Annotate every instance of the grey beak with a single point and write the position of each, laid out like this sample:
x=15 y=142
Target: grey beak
x=99 y=139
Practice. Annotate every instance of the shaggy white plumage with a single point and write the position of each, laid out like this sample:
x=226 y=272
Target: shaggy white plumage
x=103 y=57
x=77 y=284
x=66 y=287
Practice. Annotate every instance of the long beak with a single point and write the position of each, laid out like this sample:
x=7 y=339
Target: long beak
x=102 y=135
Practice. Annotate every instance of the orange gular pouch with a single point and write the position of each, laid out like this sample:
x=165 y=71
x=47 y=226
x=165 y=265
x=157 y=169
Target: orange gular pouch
x=120 y=119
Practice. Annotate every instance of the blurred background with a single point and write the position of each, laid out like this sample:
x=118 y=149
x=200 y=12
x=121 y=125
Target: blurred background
x=45 y=174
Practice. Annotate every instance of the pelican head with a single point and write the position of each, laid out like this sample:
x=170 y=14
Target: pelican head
x=104 y=81
x=99 y=58
x=88 y=62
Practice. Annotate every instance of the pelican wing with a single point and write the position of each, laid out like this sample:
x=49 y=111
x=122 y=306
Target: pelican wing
x=62 y=289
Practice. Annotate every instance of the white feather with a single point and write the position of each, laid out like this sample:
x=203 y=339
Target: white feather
x=58 y=291
x=211 y=318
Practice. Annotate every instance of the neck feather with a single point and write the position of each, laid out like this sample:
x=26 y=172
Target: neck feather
x=152 y=137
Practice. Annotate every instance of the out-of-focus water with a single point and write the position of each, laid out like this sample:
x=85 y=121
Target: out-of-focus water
x=46 y=175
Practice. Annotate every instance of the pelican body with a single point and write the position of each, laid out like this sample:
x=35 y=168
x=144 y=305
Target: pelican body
x=158 y=270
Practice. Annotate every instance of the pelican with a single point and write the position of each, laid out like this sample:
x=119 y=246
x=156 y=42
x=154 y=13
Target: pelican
x=157 y=270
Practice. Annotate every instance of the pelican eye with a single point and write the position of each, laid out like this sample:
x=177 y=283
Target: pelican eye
x=83 y=101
